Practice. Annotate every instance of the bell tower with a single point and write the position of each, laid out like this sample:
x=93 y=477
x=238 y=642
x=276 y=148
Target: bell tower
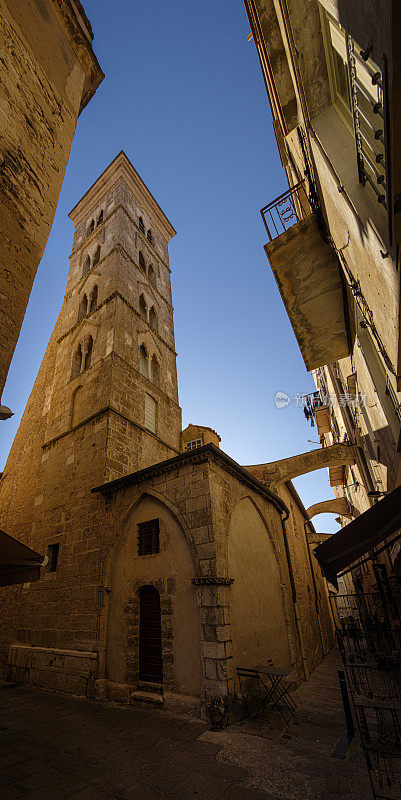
x=105 y=400
x=115 y=335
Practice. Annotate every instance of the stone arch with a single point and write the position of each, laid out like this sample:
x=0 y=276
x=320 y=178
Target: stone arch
x=258 y=609
x=170 y=571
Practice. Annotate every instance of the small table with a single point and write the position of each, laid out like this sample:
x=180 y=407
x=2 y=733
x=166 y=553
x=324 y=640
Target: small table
x=272 y=690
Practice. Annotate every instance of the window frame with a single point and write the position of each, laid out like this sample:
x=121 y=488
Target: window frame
x=193 y=444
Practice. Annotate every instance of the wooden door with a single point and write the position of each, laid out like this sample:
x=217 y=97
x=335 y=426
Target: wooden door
x=150 y=639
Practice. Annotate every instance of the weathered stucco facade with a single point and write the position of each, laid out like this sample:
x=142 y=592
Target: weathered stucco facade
x=99 y=454
x=48 y=73
x=332 y=70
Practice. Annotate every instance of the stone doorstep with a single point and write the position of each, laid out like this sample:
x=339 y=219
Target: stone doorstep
x=146 y=699
x=55 y=651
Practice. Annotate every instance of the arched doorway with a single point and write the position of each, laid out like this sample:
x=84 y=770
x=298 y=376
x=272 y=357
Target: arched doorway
x=150 y=636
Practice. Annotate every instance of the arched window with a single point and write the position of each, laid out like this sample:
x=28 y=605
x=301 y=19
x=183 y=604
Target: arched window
x=154 y=371
x=92 y=226
x=76 y=362
x=87 y=265
x=83 y=307
x=142 y=262
x=142 y=306
x=143 y=361
x=93 y=299
x=96 y=257
x=152 y=275
x=149 y=236
x=141 y=225
x=88 y=354
x=100 y=218
x=153 y=319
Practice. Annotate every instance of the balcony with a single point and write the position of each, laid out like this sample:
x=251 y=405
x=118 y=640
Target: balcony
x=323 y=421
x=308 y=277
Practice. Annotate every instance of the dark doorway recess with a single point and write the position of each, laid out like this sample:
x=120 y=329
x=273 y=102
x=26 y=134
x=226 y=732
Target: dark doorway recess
x=150 y=636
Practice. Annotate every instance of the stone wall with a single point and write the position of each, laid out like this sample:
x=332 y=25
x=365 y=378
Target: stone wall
x=50 y=72
x=71 y=671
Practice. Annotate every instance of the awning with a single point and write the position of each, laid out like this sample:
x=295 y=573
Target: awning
x=18 y=563
x=360 y=536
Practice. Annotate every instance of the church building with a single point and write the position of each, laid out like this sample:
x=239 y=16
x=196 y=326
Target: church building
x=168 y=564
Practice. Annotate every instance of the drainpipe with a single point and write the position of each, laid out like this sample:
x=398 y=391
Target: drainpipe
x=315 y=595
x=294 y=598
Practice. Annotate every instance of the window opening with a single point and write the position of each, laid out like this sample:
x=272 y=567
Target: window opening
x=96 y=257
x=194 y=444
x=93 y=299
x=148 y=537
x=142 y=307
x=100 y=218
x=150 y=413
x=141 y=225
x=143 y=361
x=76 y=362
x=357 y=87
x=87 y=265
x=149 y=236
x=153 y=319
x=52 y=555
x=142 y=262
x=154 y=371
x=88 y=354
x=83 y=307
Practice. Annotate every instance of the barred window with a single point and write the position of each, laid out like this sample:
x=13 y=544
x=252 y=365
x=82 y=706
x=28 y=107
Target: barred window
x=148 y=537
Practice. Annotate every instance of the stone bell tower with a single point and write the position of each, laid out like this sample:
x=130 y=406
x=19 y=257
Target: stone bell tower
x=105 y=401
x=115 y=338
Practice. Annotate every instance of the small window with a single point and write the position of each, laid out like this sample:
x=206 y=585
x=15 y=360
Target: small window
x=93 y=299
x=141 y=225
x=194 y=444
x=149 y=236
x=83 y=307
x=100 y=218
x=151 y=275
x=143 y=361
x=150 y=414
x=88 y=354
x=154 y=371
x=92 y=226
x=148 y=537
x=96 y=257
x=76 y=362
x=142 y=307
x=52 y=555
x=87 y=265
x=142 y=262
x=153 y=319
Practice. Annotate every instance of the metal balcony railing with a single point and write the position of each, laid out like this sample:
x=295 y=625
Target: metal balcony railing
x=369 y=637
x=286 y=210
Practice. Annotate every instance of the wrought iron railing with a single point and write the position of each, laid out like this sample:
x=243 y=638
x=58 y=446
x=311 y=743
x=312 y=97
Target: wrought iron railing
x=369 y=637
x=286 y=210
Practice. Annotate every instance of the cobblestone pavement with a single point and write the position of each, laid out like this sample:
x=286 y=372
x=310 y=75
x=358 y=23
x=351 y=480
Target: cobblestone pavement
x=53 y=747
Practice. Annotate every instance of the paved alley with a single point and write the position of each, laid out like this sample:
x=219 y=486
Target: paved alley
x=53 y=747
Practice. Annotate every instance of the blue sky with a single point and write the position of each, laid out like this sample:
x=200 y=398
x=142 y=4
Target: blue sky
x=184 y=97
